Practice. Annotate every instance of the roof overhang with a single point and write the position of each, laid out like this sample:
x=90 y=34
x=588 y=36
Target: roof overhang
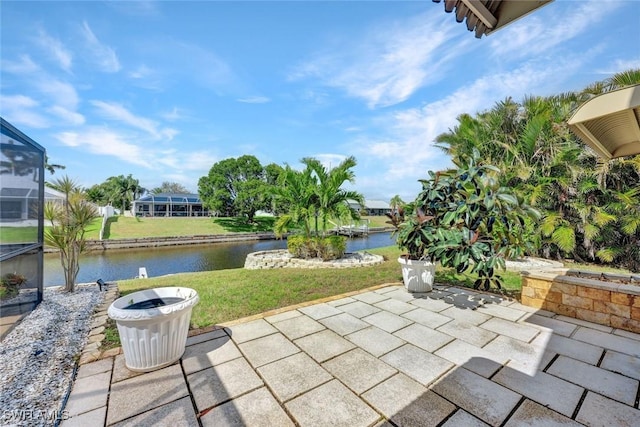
x=610 y=123
x=487 y=16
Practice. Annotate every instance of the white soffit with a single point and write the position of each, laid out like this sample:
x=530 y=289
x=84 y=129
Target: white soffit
x=610 y=123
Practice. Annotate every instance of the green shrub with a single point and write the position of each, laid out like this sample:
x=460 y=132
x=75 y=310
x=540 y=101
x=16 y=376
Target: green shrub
x=10 y=284
x=327 y=248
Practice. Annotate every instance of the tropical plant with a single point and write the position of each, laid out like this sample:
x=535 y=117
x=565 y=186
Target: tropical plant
x=331 y=200
x=295 y=189
x=313 y=197
x=69 y=221
x=123 y=190
x=580 y=196
x=464 y=219
x=326 y=248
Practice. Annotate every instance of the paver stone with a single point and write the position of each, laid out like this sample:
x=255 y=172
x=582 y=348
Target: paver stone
x=424 y=337
x=209 y=353
x=359 y=370
x=387 y=321
x=144 y=392
x=477 y=395
x=610 y=384
x=550 y=391
x=293 y=375
x=268 y=349
x=472 y=358
x=407 y=403
x=298 y=327
x=324 y=345
x=464 y=419
x=223 y=382
x=375 y=340
x=359 y=309
x=531 y=414
x=420 y=365
x=331 y=404
x=251 y=330
x=597 y=410
x=256 y=409
x=88 y=393
x=178 y=413
x=344 y=323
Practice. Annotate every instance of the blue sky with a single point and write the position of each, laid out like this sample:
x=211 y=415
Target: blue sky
x=163 y=90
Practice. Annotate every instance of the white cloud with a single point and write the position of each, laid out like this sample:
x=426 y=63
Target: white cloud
x=147 y=78
x=104 y=56
x=173 y=115
x=68 y=116
x=535 y=34
x=105 y=142
x=24 y=65
x=59 y=92
x=387 y=65
x=23 y=110
x=620 y=65
x=117 y=112
x=198 y=161
x=56 y=49
x=254 y=100
x=403 y=150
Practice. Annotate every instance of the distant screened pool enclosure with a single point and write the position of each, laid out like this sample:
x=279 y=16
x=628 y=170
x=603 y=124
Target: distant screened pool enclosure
x=21 y=224
x=169 y=205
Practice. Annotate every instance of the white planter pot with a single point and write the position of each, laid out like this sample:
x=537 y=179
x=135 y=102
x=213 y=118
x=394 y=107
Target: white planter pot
x=153 y=338
x=418 y=276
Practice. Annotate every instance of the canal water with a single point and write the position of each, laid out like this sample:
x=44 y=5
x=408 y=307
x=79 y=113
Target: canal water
x=124 y=263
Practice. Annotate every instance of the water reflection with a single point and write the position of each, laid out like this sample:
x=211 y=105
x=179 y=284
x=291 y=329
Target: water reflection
x=124 y=264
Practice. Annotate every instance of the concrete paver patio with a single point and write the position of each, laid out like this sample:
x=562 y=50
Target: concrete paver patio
x=381 y=357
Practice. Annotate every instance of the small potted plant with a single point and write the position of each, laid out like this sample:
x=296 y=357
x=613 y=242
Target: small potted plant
x=465 y=220
x=414 y=236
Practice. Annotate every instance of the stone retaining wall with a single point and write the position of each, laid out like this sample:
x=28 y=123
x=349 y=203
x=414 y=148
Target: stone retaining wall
x=607 y=303
x=147 y=242
x=283 y=259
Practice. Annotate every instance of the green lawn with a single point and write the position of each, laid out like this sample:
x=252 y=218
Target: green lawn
x=18 y=234
x=231 y=294
x=121 y=227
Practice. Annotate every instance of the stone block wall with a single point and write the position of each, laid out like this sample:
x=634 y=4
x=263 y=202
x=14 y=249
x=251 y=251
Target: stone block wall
x=283 y=259
x=607 y=303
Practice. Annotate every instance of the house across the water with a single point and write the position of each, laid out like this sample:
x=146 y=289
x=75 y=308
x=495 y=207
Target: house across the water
x=169 y=205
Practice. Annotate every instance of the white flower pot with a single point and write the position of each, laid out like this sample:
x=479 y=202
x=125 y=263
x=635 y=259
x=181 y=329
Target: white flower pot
x=153 y=338
x=418 y=276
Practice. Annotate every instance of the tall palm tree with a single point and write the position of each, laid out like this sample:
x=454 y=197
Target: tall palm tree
x=331 y=200
x=295 y=189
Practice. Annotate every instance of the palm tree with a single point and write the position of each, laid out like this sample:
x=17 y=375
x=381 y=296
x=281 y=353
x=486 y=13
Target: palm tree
x=331 y=200
x=51 y=167
x=295 y=189
x=124 y=190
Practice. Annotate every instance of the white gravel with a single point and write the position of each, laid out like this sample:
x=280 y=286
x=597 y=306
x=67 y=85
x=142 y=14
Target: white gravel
x=38 y=356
